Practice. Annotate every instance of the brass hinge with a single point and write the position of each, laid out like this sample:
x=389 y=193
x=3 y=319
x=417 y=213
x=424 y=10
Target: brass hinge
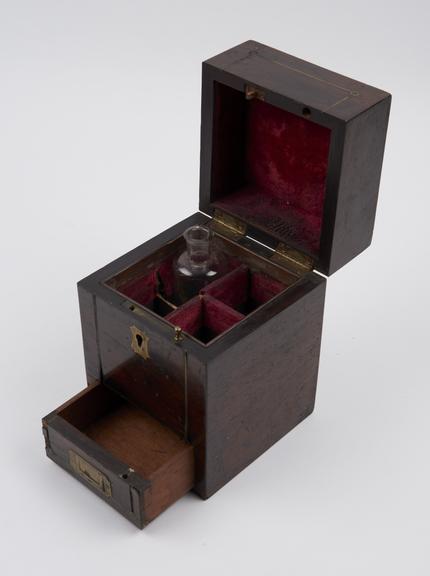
x=299 y=261
x=227 y=225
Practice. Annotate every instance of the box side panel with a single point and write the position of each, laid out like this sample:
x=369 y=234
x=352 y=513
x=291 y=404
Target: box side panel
x=359 y=185
x=89 y=335
x=262 y=387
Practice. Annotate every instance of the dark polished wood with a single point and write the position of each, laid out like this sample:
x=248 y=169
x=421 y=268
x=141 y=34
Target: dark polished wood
x=264 y=385
x=171 y=412
x=356 y=114
x=179 y=382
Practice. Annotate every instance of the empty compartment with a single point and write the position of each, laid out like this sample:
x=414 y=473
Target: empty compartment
x=244 y=289
x=122 y=453
x=205 y=318
x=154 y=290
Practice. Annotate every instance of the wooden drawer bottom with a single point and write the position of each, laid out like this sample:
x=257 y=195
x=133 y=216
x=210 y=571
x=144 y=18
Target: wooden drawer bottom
x=120 y=452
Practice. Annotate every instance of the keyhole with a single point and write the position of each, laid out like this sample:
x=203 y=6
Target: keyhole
x=139 y=340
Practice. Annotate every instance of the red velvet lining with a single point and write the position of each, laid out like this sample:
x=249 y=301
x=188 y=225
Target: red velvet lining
x=218 y=317
x=142 y=290
x=166 y=278
x=244 y=290
x=270 y=167
x=232 y=289
x=264 y=288
x=204 y=317
x=220 y=305
x=189 y=316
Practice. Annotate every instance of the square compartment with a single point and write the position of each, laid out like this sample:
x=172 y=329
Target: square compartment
x=247 y=283
x=205 y=318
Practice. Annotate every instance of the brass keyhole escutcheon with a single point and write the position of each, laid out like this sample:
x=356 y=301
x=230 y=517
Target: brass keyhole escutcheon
x=139 y=342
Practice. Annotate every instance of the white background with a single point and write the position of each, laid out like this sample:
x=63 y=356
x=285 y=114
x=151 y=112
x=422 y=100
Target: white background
x=99 y=151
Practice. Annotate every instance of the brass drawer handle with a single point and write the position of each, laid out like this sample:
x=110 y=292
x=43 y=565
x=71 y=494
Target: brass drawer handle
x=90 y=474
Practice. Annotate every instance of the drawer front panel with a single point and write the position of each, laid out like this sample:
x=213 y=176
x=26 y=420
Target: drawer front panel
x=120 y=452
x=110 y=479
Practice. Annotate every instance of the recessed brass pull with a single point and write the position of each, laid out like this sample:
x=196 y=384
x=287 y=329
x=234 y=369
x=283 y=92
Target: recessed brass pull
x=90 y=474
x=139 y=342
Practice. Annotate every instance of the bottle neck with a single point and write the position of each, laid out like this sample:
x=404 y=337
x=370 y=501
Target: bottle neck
x=198 y=239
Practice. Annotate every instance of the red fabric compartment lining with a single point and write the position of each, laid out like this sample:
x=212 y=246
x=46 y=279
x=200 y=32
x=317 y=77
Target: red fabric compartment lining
x=204 y=317
x=220 y=305
x=189 y=316
x=232 y=289
x=243 y=289
x=263 y=288
x=269 y=167
x=143 y=290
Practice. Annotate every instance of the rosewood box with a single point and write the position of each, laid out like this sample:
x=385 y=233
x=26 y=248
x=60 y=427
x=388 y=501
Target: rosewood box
x=184 y=395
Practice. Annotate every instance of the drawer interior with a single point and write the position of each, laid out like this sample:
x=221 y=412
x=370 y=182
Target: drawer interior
x=144 y=447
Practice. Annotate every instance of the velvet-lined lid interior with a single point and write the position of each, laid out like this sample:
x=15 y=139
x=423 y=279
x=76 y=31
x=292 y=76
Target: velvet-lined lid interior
x=269 y=168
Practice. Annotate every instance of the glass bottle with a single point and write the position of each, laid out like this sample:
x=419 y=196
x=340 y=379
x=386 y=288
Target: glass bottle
x=198 y=265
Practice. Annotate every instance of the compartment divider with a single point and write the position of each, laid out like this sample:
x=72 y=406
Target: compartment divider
x=205 y=317
x=220 y=304
x=232 y=288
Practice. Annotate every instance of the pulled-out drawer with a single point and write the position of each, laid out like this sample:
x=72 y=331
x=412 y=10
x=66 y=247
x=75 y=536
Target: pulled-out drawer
x=132 y=461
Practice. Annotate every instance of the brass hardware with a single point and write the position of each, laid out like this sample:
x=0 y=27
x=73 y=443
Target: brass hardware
x=89 y=473
x=125 y=475
x=167 y=302
x=178 y=334
x=134 y=308
x=227 y=225
x=141 y=312
x=301 y=262
x=139 y=342
x=251 y=93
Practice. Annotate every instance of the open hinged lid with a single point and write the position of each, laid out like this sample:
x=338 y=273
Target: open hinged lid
x=291 y=153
